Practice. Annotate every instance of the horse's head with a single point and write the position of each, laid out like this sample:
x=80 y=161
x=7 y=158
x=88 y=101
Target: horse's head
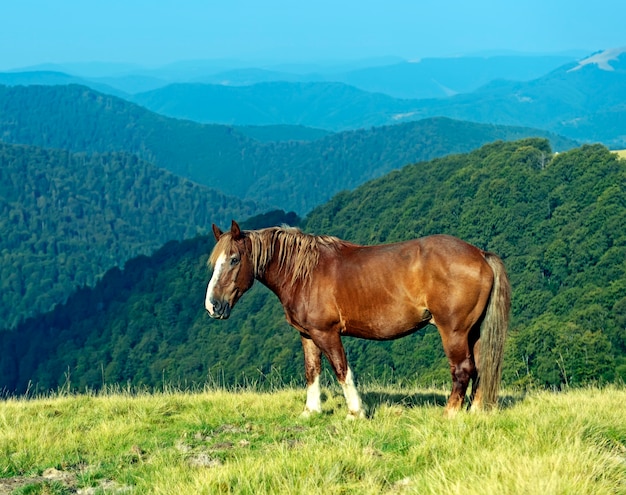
x=233 y=272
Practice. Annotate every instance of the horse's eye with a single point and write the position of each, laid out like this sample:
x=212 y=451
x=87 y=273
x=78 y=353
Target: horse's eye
x=234 y=260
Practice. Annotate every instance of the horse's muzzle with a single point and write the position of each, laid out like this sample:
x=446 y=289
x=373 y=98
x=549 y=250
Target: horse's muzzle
x=221 y=310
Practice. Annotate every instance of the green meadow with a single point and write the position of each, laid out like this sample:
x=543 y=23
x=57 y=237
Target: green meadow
x=250 y=442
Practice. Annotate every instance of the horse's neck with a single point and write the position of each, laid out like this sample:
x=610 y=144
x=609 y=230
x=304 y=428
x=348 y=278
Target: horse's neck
x=276 y=280
x=279 y=278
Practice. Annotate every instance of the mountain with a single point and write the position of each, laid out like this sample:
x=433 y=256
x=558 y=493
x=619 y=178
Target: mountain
x=308 y=174
x=426 y=78
x=293 y=175
x=556 y=220
x=278 y=133
x=67 y=218
x=566 y=101
x=333 y=106
x=584 y=101
x=442 y=77
x=79 y=119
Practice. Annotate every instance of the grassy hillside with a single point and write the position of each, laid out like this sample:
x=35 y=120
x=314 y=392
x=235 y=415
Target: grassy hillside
x=293 y=175
x=246 y=442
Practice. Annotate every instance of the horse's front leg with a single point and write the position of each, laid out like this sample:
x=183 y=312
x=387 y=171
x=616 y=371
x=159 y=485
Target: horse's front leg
x=330 y=344
x=312 y=370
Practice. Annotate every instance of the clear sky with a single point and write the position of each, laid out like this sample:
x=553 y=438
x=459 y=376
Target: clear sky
x=156 y=32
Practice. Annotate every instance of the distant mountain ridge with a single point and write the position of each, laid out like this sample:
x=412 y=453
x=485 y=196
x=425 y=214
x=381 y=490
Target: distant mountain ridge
x=563 y=101
x=521 y=91
x=582 y=100
x=425 y=78
x=292 y=175
x=55 y=78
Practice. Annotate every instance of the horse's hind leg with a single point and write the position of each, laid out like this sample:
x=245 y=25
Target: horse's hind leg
x=312 y=370
x=462 y=369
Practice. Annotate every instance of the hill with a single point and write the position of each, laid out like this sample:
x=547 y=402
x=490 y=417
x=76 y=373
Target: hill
x=293 y=175
x=555 y=219
x=243 y=442
x=565 y=101
x=67 y=218
x=328 y=105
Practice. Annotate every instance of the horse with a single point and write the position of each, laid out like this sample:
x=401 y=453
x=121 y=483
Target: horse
x=330 y=288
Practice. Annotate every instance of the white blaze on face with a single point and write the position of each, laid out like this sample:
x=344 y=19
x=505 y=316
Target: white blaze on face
x=219 y=266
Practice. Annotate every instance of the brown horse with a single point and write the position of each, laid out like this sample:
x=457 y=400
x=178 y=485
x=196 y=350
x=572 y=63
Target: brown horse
x=330 y=288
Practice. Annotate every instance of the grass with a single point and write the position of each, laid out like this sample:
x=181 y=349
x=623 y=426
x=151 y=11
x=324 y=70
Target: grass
x=245 y=441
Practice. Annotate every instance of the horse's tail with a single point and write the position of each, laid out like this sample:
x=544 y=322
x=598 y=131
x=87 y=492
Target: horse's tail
x=493 y=332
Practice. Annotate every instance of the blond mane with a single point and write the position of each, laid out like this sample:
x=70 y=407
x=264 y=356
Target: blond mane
x=297 y=253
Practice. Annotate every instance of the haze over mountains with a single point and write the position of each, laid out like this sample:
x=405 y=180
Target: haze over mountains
x=427 y=78
x=565 y=100
x=554 y=93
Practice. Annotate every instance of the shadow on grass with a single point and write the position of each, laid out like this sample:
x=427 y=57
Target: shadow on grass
x=374 y=399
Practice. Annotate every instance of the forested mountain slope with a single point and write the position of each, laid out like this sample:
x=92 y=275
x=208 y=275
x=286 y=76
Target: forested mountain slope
x=78 y=119
x=292 y=175
x=557 y=221
x=305 y=175
x=67 y=218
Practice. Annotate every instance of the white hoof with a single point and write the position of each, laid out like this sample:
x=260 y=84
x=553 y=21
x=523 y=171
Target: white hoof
x=352 y=415
x=450 y=413
x=307 y=413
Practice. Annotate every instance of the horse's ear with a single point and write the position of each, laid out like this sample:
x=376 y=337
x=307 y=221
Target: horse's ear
x=235 y=231
x=217 y=232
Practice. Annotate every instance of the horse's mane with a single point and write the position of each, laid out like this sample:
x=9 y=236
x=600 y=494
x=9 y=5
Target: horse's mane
x=297 y=253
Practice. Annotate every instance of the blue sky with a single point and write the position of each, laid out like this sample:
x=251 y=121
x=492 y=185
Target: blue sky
x=153 y=32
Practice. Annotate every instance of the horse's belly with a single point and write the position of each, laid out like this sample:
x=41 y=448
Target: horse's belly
x=386 y=326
